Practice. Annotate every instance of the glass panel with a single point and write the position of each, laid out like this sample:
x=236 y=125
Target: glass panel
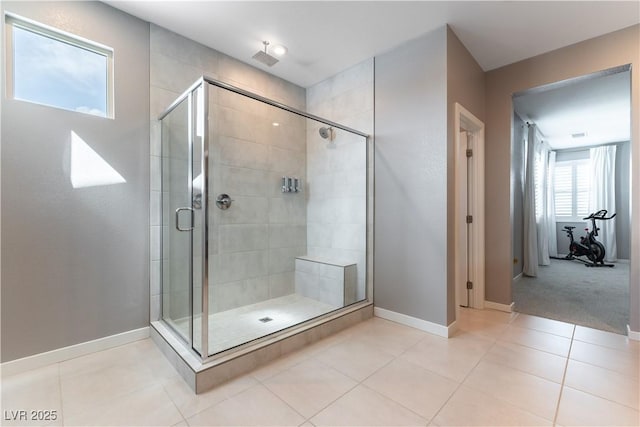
x=59 y=74
x=176 y=244
x=280 y=253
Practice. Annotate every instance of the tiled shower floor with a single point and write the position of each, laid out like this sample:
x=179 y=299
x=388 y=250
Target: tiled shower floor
x=231 y=328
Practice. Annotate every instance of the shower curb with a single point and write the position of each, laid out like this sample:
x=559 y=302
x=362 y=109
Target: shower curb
x=202 y=377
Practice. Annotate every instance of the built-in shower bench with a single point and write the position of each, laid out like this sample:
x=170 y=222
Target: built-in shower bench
x=328 y=281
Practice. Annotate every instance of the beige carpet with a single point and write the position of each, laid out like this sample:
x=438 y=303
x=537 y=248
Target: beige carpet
x=570 y=292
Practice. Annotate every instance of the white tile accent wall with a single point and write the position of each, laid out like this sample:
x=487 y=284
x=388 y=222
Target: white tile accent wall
x=265 y=229
x=251 y=261
x=253 y=250
x=338 y=223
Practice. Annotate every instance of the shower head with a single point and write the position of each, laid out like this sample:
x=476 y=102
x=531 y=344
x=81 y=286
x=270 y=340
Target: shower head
x=326 y=133
x=264 y=57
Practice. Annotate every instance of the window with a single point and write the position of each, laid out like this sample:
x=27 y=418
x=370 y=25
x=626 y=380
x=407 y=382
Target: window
x=57 y=69
x=571 y=189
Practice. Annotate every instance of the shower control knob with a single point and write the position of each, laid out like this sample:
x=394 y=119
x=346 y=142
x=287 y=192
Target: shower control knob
x=223 y=201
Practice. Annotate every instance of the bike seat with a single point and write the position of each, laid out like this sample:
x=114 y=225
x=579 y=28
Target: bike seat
x=569 y=227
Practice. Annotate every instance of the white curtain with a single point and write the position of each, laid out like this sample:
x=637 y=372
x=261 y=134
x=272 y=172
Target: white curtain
x=551 y=207
x=530 y=261
x=542 y=205
x=603 y=195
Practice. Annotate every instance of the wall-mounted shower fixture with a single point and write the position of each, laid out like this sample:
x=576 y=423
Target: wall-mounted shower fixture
x=264 y=57
x=223 y=201
x=326 y=133
x=291 y=185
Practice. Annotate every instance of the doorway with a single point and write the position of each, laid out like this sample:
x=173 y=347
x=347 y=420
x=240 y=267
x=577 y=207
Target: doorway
x=561 y=134
x=469 y=209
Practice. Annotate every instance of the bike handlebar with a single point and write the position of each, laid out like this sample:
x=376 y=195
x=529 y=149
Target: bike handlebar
x=599 y=215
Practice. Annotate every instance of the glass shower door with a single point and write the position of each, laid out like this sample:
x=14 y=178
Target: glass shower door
x=177 y=213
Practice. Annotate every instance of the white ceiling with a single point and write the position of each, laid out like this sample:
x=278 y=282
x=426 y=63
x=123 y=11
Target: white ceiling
x=325 y=37
x=599 y=107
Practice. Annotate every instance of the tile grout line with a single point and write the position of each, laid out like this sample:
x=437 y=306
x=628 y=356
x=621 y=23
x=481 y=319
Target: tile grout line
x=495 y=341
x=361 y=383
x=283 y=401
x=306 y=419
x=358 y=383
x=387 y=397
x=164 y=389
x=564 y=376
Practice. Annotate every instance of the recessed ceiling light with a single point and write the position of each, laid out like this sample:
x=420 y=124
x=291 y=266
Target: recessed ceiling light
x=275 y=124
x=279 y=50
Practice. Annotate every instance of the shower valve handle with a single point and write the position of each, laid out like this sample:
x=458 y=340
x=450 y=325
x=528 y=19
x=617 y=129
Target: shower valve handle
x=223 y=201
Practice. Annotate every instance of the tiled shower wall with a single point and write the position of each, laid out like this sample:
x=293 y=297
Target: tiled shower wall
x=254 y=243
x=176 y=62
x=338 y=221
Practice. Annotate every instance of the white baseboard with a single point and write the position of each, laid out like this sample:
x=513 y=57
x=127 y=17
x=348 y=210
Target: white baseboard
x=423 y=325
x=633 y=335
x=518 y=277
x=507 y=308
x=65 y=353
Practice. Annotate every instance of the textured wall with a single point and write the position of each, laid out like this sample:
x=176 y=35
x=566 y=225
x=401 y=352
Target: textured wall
x=465 y=85
x=74 y=264
x=411 y=179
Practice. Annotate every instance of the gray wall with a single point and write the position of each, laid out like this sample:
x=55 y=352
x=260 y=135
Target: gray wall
x=517 y=188
x=601 y=53
x=465 y=85
x=411 y=179
x=416 y=88
x=75 y=261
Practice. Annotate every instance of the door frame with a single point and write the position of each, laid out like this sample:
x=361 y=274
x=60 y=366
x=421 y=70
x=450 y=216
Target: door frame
x=465 y=120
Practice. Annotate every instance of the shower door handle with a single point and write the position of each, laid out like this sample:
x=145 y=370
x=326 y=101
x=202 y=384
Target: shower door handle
x=178 y=219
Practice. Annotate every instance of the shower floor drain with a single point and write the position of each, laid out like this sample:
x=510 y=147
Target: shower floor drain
x=265 y=319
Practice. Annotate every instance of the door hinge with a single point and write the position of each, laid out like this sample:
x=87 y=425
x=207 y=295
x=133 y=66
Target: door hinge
x=469 y=152
x=469 y=219
x=469 y=285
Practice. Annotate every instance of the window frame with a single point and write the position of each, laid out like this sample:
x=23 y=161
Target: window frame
x=575 y=216
x=12 y=20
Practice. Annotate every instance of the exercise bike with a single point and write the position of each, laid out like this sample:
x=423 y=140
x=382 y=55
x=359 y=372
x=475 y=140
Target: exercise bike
x=588 y=245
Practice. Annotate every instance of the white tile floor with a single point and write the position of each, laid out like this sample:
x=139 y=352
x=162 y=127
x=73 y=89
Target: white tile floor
x=231 y=328
x=499 y=369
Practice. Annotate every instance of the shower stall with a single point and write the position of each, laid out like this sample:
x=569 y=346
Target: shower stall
x=265 y=219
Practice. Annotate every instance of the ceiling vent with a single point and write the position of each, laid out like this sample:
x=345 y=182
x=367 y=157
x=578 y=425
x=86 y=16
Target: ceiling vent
x=578 y=135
